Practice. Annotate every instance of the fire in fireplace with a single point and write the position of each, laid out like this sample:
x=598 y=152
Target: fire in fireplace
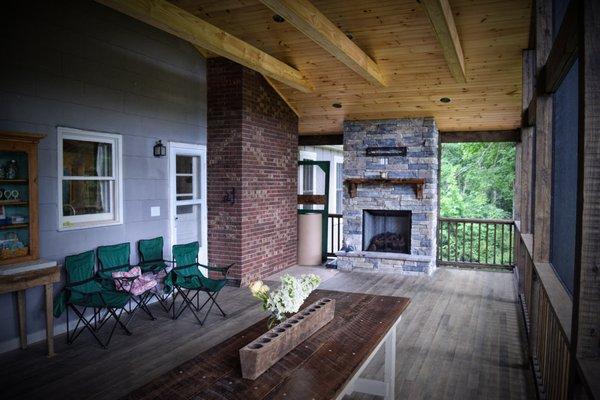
x=387 y=231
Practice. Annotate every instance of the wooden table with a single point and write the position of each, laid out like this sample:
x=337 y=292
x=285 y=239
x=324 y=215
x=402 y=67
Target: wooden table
x=327 y=365
x=18 y=278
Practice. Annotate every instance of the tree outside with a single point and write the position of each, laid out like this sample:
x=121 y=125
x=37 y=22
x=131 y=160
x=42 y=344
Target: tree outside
x=476 y=183
x=477 y=180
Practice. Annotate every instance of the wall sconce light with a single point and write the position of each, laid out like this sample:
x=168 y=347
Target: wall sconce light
x=229 y=196
x=160 y=150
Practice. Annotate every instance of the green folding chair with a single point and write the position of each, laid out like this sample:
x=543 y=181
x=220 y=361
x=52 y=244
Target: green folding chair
x=83 y=291
x=152 y=260
x=188 y=279
x=115 y=258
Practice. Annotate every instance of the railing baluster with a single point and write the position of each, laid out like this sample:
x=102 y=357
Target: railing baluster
x=479 y=242
x=471 y=244
x=448 y=229
x=464 y=225
x=502 y=245
x=339 y=227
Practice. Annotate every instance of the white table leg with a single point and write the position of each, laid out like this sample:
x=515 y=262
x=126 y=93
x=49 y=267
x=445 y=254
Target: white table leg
x=385 y=389
x=390 y=364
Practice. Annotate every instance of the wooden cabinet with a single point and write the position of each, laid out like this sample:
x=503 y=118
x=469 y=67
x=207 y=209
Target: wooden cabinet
x=19 y=234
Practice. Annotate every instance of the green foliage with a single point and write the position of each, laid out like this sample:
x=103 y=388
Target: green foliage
x=477 y=180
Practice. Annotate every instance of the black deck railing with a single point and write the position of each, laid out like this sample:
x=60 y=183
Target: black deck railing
x=335 y=233
x=475 y=242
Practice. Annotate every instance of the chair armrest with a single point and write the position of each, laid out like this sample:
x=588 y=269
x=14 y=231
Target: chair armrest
x=222 y=270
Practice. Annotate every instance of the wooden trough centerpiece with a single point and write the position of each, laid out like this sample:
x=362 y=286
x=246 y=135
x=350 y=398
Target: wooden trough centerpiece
x=260 y=354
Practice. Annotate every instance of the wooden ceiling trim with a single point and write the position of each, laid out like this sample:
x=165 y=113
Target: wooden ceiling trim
x=165 y=16
x=311 y=22
x=320 y=140
x=513 y=135
x=442 y=20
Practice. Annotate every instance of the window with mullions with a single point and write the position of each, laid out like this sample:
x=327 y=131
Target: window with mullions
x=89 y=179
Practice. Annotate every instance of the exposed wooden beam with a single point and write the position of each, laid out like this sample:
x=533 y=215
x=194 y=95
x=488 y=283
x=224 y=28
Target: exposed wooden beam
x=270 y=82
x=481 y=136
x=564 y=50
x=513 y=135
x=320 y=140
x=170 y=18
x=202 y=51
x=440 y=16
x=310 y=21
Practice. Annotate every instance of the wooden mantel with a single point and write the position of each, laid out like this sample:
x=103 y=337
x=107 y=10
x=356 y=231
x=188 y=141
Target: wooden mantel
x=353 y=183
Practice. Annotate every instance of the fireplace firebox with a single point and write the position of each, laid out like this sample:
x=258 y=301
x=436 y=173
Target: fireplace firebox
x=387 y=231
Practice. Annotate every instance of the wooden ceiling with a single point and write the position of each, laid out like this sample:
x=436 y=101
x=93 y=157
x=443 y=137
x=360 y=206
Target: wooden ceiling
x=399 y=37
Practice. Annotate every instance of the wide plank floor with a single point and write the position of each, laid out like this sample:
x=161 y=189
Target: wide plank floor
x=458 y=339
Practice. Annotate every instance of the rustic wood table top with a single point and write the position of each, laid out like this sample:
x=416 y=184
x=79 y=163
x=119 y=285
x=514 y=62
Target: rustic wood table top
x=319 y=368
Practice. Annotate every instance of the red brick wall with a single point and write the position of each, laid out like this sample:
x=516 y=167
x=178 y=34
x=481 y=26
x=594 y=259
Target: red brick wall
x=252 y=147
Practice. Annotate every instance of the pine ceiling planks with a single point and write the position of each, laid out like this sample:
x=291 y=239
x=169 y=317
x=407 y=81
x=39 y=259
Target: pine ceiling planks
x=398 y=36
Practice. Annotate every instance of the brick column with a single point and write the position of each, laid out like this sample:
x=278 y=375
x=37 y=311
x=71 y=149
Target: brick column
x=252 y=148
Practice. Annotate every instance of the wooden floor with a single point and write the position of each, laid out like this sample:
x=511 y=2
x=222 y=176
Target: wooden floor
x=458 y=339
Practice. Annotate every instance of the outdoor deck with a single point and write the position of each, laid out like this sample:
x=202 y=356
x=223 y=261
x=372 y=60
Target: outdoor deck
x=459 y=339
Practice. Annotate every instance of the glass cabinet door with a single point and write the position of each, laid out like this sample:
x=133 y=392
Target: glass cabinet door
x=14 y=204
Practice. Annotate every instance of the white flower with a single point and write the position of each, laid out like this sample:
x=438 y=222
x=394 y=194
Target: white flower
x=289 y=297
x=255 y=286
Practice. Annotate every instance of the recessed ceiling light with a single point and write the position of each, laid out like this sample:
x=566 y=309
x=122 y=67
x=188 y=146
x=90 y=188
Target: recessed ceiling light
x=336 y=105
x=278 y=18
x=445 y=100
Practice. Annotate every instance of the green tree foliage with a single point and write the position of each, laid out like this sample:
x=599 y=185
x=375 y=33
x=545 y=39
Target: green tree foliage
x=477 y=180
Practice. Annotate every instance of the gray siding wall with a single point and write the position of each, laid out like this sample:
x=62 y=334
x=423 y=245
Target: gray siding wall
x=79 y=64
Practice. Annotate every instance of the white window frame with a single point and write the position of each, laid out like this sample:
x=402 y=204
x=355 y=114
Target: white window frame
x=116 y=201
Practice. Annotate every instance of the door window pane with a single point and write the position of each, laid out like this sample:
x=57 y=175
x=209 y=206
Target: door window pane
x=185 y=210
x=85 y=158
x=185 y=185
x=184 y=165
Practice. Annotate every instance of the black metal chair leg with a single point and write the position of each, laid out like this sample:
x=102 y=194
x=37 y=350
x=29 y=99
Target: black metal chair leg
x=87 y=325
x=209 y=308
x=214 y=299
x=187 y=303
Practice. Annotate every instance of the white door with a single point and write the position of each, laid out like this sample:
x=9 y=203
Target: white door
x=187 y=183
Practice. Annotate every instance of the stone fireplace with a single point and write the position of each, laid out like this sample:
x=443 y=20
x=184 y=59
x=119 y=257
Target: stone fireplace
x=390 y=207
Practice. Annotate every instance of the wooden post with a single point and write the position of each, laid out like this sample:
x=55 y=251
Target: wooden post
x=543 y=136
x=587 y=276
x=48 y=289
x=21 y=308
x=527 y=144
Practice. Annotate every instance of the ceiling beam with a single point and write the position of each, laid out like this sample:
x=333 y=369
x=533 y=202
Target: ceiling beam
x=310 y=21
x=320 y=140
x=440 y=16
x=165 y=16
x=513 y=135
x=276 y=89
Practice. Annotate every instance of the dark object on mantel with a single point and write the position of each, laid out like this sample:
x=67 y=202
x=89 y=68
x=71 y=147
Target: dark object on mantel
x=353 y=183
x=392 y=151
